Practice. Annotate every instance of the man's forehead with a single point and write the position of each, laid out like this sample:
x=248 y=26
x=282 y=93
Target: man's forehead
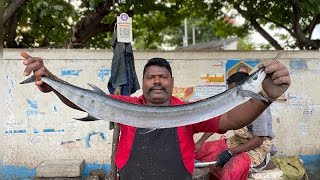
x=153 y=70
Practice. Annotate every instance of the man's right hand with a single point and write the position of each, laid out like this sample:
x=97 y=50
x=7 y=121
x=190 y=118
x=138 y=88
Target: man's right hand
x=223 y=158
x=35 y=65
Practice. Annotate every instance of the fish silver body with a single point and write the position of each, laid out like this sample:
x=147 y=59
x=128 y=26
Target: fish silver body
x=107 y=108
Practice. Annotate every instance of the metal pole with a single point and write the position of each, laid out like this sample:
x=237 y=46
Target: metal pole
x=185 y=42
x=193 y=35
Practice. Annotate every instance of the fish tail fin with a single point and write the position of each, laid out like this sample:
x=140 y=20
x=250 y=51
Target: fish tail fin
x=247 y=93
x=87 y=118
x=147 y=130
x=29 y=80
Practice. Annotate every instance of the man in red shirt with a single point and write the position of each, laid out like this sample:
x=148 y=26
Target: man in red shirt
x=247 y=150
x=169 y=153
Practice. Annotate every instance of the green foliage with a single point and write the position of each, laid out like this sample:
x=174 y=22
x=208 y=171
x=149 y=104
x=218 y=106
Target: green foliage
x=245 y=44
x=223 y=29
x=50 y=23
x=46 y=23
x=93 y=4
x=101 y=40
x=109 y=18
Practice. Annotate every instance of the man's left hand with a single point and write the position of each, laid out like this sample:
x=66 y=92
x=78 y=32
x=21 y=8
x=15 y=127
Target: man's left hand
x=277 y=81
x=117 y=90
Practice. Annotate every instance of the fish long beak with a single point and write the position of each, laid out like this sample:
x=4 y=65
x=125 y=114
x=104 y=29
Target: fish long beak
x=29 y=80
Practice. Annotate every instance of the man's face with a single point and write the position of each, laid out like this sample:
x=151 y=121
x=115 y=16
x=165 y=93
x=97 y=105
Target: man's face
x=157 y=85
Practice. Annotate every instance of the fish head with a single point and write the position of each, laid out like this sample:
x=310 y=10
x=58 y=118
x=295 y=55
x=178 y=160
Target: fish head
x=253 y=82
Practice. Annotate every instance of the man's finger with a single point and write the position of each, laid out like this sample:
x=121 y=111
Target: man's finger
x=285 y=80
x=32 y=67
x=273 y=67
x=280 y=73
x=38 y=74
x=24 y=54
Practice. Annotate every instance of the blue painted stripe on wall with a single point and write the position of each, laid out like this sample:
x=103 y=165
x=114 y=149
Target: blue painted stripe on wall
x=24 y=173
x=312 y=165
x=311 y=160
x=15 y=172
x=52 y=130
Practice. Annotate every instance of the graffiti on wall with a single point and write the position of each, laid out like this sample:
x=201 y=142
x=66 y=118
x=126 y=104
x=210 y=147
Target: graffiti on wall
x=211 y=84
x=70 y=72
x=233 y=66
x=103 y=73
x=34 y=131
x=87 y=140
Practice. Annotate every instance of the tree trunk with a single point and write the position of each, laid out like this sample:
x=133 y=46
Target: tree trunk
x=13 y=7
x=91 y=25
x=304 y=42
x=266 y=35
x=11 y=28
x=257 y=26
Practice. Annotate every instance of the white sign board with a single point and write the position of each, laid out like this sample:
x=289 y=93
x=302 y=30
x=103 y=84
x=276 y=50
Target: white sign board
x=124 y=28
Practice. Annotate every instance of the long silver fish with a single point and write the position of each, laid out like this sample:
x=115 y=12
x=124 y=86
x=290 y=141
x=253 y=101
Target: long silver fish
x=101 y=106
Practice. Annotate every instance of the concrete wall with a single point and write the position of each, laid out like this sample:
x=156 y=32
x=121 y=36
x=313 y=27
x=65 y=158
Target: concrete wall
x=38 y=127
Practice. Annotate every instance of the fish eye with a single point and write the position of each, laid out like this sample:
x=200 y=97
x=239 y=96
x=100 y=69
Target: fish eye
x=255 y=77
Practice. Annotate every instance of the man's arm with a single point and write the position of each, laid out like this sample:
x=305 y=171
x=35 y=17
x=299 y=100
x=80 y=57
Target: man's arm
x=251 y=144
x=276 y=83
x=200 y=142
x=241 y=115
x=226 y=155
x=36 y=65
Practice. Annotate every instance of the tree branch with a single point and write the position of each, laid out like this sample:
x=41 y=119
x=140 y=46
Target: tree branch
x=12 y=9
x=279 y=25
x=257 y=26
x=265 y=34
x=10 y=30
x=91 y=25
x=313 y=24
x=300 y=36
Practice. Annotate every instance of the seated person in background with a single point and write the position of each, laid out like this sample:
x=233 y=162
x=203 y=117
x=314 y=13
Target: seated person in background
x=249 y=148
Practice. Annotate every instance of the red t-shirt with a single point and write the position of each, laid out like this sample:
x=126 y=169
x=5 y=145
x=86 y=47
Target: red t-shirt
x=185 y=135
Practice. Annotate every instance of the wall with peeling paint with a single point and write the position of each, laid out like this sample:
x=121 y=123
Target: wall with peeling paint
x=38 y=127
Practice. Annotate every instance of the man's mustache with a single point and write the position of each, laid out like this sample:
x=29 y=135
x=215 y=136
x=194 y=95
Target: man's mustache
x=157 y=87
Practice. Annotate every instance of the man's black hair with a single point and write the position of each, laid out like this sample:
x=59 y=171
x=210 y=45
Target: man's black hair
x=237 y=77
x=158 y=62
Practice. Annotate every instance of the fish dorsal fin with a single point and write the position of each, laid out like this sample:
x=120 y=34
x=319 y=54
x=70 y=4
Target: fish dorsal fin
x=98 y=90
x=89 y=117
